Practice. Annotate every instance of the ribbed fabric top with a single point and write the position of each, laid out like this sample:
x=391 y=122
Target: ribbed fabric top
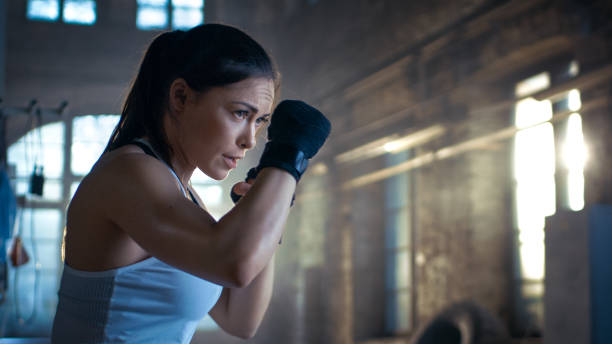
x=146 y=302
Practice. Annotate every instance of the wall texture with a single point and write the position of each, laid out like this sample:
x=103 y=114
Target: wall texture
x=385 y=67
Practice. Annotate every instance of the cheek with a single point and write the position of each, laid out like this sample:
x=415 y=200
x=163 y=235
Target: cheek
x=215 y=135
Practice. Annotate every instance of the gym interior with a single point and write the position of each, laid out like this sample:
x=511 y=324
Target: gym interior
x=464 y=196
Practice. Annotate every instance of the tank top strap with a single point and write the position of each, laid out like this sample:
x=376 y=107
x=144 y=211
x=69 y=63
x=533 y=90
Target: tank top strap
x=148 y=149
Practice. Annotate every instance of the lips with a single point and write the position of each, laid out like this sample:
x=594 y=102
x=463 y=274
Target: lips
x=231 y=161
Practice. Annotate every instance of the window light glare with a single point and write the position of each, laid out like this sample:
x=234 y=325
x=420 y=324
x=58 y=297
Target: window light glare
x=575 y=151
x=186 y=18
x=533 y=290
x=152 y=2
x=319 y=169
x=575 y=184
x=533 y=204
x=149 y=17
x=573 y=100
x=43 y=10
x=392 y=146
x=188 y=3
x=532 y=85
x=534 y=171
x=80 y=12
x=534 y=153
x=575 y=155
x=89 y=137
x=532 y=259
x=573 y=69
x=531 y=112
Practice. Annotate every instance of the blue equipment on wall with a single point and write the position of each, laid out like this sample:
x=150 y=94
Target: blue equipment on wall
x=8 y=213
x=600 y=223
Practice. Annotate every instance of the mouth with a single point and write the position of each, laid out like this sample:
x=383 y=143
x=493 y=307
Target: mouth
x=231 y=161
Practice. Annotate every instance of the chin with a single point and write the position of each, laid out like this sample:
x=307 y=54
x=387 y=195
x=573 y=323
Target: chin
x=217 y=175
x=220 y=177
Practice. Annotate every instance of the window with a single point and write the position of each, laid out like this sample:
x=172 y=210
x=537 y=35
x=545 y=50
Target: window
x=536 y=173
x=32 y=296
x=398 y=247
x=161 y=14
x=43 y=10
x=32 y=293
x=574 y=154
x=152 y=14
x=81 y=12
x=187 y=13
x=90 y=135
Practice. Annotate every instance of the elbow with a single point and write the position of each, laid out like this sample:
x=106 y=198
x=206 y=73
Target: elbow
x=246 y=334
x=243 y=273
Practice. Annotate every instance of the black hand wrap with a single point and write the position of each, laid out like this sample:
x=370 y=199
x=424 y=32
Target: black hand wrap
x=296 y=134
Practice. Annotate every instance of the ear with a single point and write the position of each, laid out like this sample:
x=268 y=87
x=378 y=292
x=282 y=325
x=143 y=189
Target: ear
x=178 y=95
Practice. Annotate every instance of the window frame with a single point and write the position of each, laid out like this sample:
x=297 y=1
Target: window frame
x=60 y=14
x=169 y=11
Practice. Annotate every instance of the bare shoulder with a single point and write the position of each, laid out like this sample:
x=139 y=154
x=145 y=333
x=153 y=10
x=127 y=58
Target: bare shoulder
x=124 y=173
x=125 y=183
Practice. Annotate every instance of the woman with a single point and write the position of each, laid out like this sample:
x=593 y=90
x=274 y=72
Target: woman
x=144 y=261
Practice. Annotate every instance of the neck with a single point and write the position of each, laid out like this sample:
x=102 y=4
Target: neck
x=180 y=166
x=178 y=161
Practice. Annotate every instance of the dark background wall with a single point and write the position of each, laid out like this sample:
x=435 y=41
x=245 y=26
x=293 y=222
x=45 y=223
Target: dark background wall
x=376 y=68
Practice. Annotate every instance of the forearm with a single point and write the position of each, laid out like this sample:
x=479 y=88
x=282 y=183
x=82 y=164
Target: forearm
x=252 y=229
x=247 y=306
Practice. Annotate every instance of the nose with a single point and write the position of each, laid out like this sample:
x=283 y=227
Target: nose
x=246 y=140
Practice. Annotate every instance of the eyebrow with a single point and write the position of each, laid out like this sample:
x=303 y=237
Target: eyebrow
x=251 y=107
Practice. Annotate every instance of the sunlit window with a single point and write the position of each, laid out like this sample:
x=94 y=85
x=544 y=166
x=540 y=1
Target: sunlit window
x=532 y=85
x=43 y=10
x=34 y=285
x=187 y=13
x=40 y=147
x=158 y=14
x=152 y=14
x=79 y=12
x=398 y=317
x=90 y=135
x=574 y=154
x=536 y=173
x=535 y=195
x=73 y=11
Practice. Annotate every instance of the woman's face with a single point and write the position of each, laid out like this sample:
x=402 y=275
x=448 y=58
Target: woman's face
x=217 y=127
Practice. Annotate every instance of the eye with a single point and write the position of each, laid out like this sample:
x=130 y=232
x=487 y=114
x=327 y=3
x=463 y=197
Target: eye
x=241 y=113
x=262 y=120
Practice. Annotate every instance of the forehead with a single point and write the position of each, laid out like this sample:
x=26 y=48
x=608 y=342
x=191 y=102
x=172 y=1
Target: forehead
x=257 y=91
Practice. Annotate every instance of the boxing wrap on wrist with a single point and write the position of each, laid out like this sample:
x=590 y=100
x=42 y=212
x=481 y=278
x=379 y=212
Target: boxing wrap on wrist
x=296 y=133
x=284 y=157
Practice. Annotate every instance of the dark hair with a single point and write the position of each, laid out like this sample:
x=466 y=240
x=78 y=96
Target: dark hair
x=206 y=56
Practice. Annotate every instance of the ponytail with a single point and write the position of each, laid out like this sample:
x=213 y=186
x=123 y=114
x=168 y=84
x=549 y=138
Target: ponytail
x=143 y=110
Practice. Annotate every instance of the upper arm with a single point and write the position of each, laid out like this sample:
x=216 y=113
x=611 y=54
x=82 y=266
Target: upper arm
x=219 y=312
x=143 y=199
